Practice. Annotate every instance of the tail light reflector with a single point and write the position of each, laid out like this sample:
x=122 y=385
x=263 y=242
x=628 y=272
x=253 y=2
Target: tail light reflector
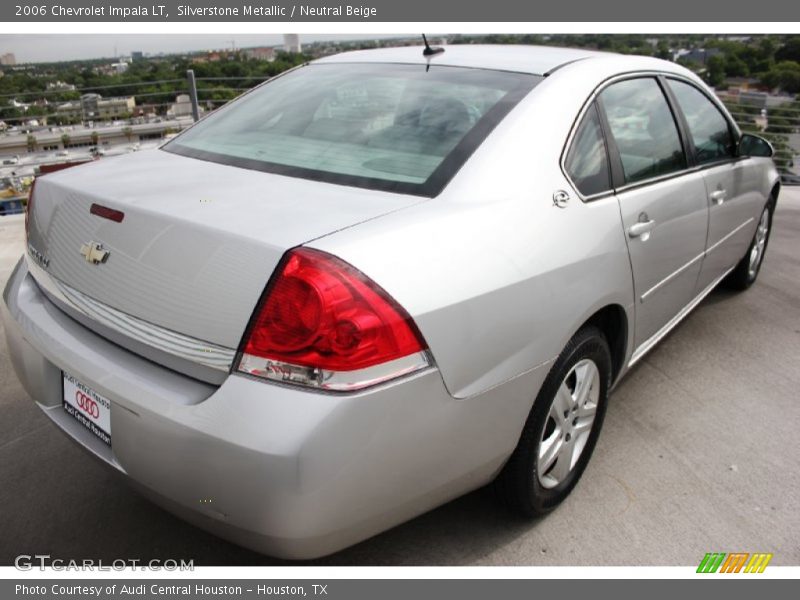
x=107 y=213
x=28 y=209
x=322 y=323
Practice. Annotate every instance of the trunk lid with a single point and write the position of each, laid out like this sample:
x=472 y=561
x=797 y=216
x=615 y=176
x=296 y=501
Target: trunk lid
x=198 y=241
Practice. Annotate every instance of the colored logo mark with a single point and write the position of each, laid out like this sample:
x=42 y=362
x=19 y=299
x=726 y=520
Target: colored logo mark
x=735 y=562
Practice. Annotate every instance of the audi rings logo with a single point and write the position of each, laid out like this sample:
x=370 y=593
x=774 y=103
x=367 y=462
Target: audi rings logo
x=87 y=404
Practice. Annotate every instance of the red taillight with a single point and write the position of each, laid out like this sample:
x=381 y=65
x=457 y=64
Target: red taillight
x=28 y=209
x=324 y=324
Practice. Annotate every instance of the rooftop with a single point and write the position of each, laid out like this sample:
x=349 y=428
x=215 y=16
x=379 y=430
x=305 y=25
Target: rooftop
x=537 y=60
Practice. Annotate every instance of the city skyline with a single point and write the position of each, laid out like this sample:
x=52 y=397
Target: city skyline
x=43 y=48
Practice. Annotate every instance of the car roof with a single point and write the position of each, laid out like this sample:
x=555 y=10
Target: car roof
x=536 y=60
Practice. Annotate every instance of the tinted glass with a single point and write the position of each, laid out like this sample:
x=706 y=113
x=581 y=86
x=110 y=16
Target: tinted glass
x=643 y=128
x=381 y=126
x=587 y=161
x=709 y=129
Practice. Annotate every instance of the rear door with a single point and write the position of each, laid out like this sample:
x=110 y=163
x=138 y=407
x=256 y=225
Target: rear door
x=732 y=184
x=662 y=203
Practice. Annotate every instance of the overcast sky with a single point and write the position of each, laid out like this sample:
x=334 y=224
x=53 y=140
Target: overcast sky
x=51 y=48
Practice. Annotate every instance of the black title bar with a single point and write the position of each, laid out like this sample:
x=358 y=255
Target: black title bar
x=443 y=11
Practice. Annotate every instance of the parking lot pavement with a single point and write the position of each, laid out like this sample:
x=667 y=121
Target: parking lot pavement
x=699 y=453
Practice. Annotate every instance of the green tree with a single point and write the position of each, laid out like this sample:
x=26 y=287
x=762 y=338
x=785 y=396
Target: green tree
x=662 y=50
x=127 y=132
x=735 y=66
x=784 y=76
x=31 y=142
x=766 y=55
x=95 y=138
x=716 y=70
x=35 y=111
x=790 y=50
x=65 y=139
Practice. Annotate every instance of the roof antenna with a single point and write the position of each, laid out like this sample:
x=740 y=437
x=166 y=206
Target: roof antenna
x=428 y=51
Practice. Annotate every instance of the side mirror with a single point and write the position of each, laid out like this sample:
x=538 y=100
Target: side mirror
x=753 y=145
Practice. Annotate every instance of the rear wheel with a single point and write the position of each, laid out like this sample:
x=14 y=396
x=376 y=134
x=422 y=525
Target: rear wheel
x=745 y=273
x=562 y=428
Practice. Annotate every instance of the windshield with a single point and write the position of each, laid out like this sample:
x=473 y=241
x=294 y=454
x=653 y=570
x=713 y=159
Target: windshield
x=391 y=127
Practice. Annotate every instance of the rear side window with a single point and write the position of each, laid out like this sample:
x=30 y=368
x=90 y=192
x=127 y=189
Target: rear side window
x=709 y=129
x=587 y=160
x=643 y=129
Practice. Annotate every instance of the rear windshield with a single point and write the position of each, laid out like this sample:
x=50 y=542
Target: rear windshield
x=403 y=128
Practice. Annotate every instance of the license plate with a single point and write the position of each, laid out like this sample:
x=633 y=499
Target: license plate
x=89 y=408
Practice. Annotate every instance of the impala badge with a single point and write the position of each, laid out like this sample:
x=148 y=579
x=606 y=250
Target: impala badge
x=94 y=253
x=40 y=258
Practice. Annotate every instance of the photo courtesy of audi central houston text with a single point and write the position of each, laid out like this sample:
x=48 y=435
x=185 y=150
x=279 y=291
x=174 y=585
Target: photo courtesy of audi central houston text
x=383 y=279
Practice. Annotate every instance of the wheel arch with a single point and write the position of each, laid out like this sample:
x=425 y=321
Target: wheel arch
x=773 y=196
x=612 y=321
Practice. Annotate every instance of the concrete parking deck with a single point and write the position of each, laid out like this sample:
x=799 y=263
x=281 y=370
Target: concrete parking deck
x=699 y=453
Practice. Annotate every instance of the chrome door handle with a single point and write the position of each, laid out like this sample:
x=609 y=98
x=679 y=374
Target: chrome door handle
x=641 y=229
x=718 y=196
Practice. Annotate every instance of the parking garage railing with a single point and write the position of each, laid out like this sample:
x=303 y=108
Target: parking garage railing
x=775 y=118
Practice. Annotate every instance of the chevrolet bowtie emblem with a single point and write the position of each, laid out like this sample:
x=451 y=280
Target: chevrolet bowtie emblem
x=94 y=253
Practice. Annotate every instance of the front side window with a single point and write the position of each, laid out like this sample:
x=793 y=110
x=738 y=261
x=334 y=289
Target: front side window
x=587 y=160
x=710 y=132
x=643 y=129
x=404 y=128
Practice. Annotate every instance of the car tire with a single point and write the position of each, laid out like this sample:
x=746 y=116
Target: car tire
x=531 y=485
x=746 y=271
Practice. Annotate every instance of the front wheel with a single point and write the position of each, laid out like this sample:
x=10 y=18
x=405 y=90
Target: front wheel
x=562 y=428
x=745 y=273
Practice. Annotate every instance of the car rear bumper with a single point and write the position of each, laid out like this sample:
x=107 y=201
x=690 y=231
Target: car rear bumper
x=287 y=472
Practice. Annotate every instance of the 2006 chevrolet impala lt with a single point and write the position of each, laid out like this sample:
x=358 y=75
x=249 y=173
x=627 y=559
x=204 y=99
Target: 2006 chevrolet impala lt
x=382 y=280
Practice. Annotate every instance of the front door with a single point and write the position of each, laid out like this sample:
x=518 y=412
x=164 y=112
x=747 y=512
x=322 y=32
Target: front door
x=732 y=184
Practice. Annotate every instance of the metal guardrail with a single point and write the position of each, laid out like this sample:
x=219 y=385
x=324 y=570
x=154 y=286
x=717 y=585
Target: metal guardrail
x=204 y=92
x=779 y=123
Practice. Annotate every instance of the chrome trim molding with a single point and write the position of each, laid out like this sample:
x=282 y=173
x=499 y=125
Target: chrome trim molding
x=670 y=277
x=166 y=340
x=333 y=381
x=728 y=236
x=629 y=186
x=648 y=344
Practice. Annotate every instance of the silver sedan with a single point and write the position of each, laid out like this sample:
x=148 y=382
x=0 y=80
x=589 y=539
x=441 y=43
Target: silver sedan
x=380 y=281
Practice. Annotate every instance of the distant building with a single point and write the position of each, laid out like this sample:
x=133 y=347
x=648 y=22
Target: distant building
x=119 y=67
x=8 y=59
x=60 y=86
x=210 y=56
x=83 y=138
x=181 y=108
x=743 y=83
x=93 y=106
x=291 y=42
x=697 y=55
x=137 y=55
x=264 y=53
x=146 y=111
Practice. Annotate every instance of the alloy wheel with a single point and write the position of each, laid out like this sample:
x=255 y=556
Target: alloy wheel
x=569 y=423
x=759 y=244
